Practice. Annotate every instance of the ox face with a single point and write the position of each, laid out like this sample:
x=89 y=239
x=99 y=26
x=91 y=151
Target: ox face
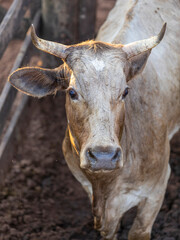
x=95 y=105
x=95 y=76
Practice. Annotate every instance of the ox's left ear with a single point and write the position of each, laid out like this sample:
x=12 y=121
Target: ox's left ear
x=39 y=82
x=138 y=52
x=136 y=64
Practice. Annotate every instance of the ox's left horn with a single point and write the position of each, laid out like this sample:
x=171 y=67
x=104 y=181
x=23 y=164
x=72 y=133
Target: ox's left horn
x=141 y=46
x=53 y=48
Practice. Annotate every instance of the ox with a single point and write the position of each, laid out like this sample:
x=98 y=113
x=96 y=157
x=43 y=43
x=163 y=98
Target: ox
x=117 y=144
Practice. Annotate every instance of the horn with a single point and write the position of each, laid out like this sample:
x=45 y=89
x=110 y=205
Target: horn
x=53 y=48
x=135 y=48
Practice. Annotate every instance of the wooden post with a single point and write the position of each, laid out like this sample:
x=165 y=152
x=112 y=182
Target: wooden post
x=60 y=20
x=87 y=19
x=68 y=22
x=2 y=13
x=34 y=6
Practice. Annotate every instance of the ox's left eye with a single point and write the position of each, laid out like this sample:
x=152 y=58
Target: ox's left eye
x=125 y=93
x=73 y=94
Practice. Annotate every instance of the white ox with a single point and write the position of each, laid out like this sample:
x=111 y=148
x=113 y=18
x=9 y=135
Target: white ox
x=116 y=145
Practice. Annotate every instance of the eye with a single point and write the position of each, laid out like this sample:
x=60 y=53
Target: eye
x=125 y=93
x=73 y=94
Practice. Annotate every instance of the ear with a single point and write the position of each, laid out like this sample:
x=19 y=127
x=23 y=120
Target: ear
x=137 y=64
x=39 y=82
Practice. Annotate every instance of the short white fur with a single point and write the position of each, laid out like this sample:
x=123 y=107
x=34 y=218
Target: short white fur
x=98 y=64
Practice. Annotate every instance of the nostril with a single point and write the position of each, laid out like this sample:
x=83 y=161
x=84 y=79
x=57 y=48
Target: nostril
x=116 y=156
x=91 y=156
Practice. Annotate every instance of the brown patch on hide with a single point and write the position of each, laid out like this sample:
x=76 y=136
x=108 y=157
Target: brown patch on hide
x=77 y=115
x=119 y=118
x=157 y=143
x=130 y=13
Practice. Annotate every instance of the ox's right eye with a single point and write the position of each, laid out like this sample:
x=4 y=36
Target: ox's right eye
x=73 y=94
x=125 y=93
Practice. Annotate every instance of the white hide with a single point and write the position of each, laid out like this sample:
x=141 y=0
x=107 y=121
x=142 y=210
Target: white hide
x=134 y=20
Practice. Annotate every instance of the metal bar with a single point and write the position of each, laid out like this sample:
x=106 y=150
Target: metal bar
x=11 y=22
x=87 y=19
x=9 y=93
x=17 y=118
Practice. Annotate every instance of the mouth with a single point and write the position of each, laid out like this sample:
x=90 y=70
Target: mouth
x=103 y=176
x=99 y=171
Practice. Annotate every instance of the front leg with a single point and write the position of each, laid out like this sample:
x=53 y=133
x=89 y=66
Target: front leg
x=147 y=212
x=106 y=217
x=115 y=207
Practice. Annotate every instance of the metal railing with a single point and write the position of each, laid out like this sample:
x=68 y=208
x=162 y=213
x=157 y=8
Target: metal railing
x=9 y=25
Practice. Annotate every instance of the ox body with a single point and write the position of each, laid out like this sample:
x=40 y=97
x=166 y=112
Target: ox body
x=117 y=144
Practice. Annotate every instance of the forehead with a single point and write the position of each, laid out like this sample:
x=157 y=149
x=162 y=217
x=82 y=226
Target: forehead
x=100 y=67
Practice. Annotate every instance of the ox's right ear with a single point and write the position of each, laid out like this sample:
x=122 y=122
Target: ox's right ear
x=137 y=64
x=39 y=82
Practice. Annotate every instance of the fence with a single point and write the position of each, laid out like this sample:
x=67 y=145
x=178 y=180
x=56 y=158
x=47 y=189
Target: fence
x=77 y=23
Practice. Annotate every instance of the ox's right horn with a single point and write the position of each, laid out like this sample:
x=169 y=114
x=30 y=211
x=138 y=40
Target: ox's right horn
x=135 y=48
x=53 y=48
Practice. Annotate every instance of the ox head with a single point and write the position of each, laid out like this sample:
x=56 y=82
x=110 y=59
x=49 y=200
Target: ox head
x=95 y=76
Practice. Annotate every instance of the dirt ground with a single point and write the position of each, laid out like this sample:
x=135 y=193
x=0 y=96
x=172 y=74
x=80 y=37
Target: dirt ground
x=41 y=200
